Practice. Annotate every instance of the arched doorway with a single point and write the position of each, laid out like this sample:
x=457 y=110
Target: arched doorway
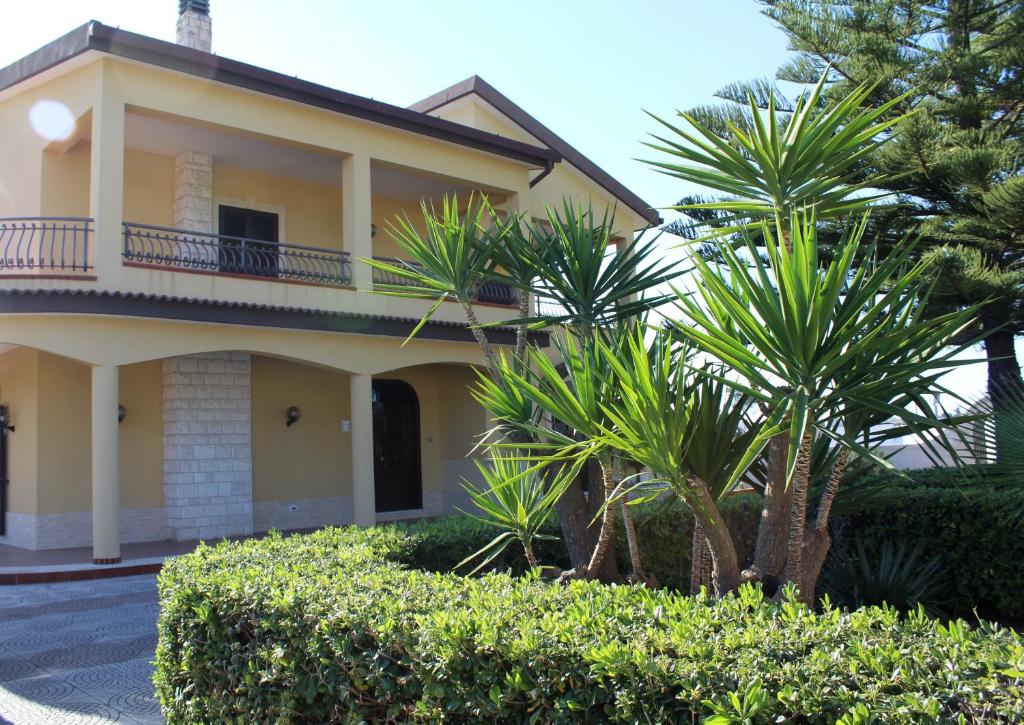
x=396 y=447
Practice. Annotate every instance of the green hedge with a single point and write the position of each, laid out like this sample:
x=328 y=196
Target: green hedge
x=329 y=627
x=978 y=532
x=665 y=533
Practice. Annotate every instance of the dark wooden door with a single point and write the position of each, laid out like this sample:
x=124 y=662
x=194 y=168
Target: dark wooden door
x=396 y=446
x=248 y=242
x=4 y=427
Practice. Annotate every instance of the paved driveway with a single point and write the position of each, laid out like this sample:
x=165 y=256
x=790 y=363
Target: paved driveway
x=78 y=652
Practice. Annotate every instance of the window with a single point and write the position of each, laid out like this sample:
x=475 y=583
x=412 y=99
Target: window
x=248 y=243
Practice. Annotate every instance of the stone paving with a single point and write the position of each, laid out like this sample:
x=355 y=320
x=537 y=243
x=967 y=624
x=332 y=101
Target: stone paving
x=78 y=652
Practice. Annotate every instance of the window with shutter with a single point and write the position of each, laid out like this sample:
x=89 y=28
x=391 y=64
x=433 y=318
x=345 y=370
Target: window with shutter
x=248 y=242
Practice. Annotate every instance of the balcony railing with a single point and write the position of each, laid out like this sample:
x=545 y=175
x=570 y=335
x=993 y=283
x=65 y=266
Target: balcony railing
x=45 y=244
x=494 y=293
x=220 y=254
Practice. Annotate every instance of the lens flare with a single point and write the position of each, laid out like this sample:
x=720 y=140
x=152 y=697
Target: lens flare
x=52 y=120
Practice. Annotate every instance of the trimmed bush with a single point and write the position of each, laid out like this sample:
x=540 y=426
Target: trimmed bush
x=331 y=627
x=664 y=529
x=665 y=536
x=976 y=532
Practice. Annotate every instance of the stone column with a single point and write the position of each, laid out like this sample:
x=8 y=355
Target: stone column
x=106 y=176
x=106 y=493
x=193 y=207
x=208 y=445
x=357 y=218
x=363 y=491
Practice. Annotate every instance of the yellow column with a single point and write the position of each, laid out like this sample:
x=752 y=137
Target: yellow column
x=363 y=492
x=357 y=219
x=106 y=494
x=106 y=179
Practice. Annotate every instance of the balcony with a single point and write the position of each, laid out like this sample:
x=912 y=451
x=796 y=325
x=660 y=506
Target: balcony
x=179 y=249
x=45 y=246
x=488 y=293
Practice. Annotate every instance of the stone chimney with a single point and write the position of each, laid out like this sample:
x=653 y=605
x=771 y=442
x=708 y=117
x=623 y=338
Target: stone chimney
x=194 y=27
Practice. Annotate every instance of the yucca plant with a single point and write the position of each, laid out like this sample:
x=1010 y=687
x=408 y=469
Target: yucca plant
x=819 y=344
x=896 y=574
x=448 y=262
x=518 y=499
x=561 y=409
x=658 y=421
x=779 y=168
x=579 y=268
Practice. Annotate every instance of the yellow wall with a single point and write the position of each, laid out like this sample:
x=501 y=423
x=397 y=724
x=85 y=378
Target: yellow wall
x=50 y=467
x=18 y=385
x=312 y=212
x=310 y=459
x=65 y=185
x=65 y=478
x=141 y=444
x=148 y=188
x=21 y=169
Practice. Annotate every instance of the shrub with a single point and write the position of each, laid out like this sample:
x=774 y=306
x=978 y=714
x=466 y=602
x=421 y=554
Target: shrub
x=665 y=536
x=331 y=627
x=664 y=528
x=974 y=531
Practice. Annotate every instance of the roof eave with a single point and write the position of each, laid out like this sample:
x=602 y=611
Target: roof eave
x=132 y=46
x=490 y=94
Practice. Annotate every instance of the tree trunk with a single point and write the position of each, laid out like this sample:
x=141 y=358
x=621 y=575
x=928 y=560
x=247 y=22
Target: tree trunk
x=638 y=575
x=524 y=311
x=1005 y=383
x=604 y=536
x=482 y=341
x=725 y=570
x=697 y=559
x=531 y=558
x=574 y=520
x=773 y=529
x=798 y=517
x=819 y=540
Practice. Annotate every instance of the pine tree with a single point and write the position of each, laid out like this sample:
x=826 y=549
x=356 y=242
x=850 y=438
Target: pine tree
x=956 y=166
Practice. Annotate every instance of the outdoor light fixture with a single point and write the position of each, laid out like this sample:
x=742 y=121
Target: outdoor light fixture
x=292 y=415
x=373 y=231
x=5 y=421
x=121 y=413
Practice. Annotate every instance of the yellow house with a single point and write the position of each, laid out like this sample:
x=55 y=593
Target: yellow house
x=189 y=347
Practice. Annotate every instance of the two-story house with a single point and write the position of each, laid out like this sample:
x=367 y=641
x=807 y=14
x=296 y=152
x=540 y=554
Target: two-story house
x=189 y=347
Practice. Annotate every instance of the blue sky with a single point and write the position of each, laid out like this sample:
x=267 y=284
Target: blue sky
x=588 y=69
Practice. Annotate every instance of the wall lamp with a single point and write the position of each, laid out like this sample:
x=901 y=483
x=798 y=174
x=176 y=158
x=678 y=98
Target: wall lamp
x=5 y=419
x=122 y=412
x=291 y=416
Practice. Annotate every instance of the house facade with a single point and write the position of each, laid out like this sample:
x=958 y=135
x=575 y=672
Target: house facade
x=189 y=345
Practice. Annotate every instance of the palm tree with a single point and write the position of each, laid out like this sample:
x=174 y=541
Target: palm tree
x=820 y=344
x=688 y=430
x=562 y=408
x=768 y=169
x=449 y=262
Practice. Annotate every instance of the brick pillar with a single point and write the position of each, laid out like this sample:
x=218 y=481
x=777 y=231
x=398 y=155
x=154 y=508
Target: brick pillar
x=208 y=445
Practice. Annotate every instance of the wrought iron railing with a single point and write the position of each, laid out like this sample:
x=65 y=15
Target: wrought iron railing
x=47 y=244
x=495 y=293
x=199 y=251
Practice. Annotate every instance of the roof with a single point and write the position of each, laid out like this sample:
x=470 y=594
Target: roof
x=483 y=89
x=194 y=309
x=95 y=36
x=99 y=37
